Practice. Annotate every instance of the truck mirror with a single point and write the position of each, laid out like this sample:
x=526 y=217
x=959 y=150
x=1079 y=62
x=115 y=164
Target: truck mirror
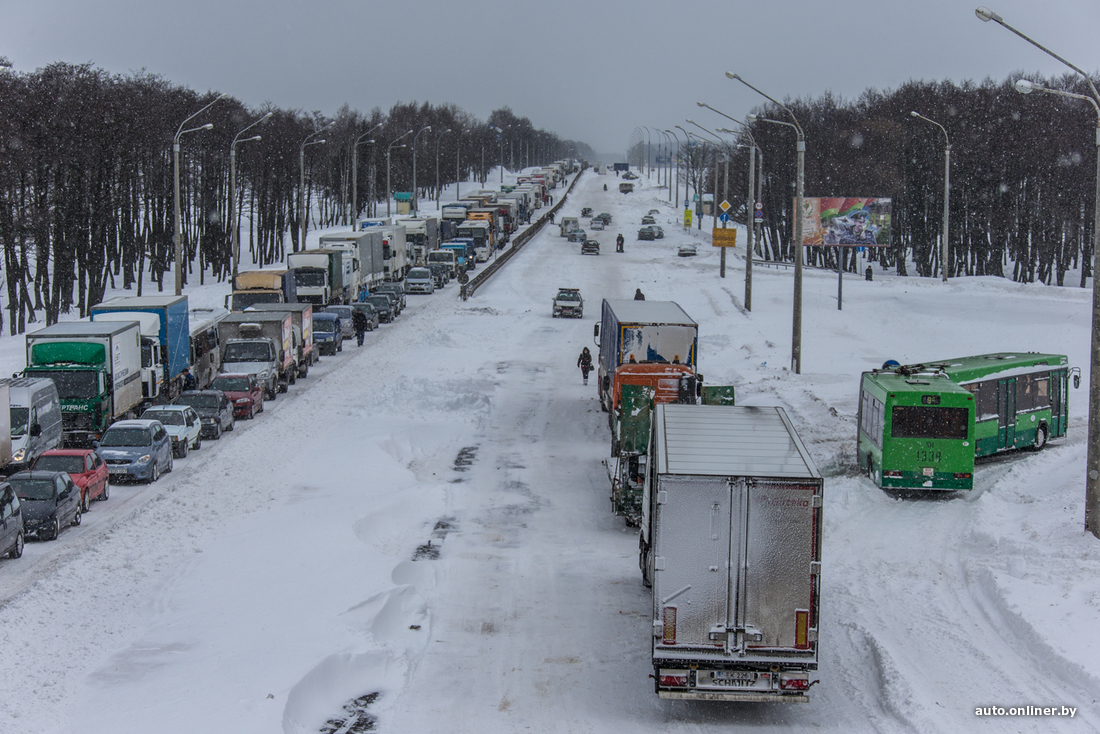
x=1077 y=381
x=36 y=430
x=596 y=331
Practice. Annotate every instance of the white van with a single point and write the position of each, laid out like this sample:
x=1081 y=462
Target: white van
x=35 y=420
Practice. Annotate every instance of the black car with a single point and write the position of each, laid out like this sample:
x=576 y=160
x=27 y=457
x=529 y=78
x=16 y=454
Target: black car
x=440 y=273
x=215 y=410
x=590 y=247
x=383 y=305
x=397 y=290
x=49 y=500
x=605 y=218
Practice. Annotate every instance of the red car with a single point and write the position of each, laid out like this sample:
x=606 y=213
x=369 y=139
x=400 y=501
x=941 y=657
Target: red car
x=244 y=391
x=88 y=471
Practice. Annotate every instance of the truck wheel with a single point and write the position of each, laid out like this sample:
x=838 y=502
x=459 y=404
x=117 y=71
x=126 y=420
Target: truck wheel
x=291 y=378
x=283 y=386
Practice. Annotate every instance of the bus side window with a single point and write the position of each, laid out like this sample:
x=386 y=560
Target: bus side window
x=987 y=401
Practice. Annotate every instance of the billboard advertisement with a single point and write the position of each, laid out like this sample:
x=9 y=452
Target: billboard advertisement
x=846 y=221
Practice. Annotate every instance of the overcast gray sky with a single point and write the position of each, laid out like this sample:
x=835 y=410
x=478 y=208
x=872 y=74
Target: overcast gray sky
x=586 y=70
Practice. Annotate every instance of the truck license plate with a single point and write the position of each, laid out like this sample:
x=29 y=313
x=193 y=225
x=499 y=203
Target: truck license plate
x=734 y=677
x=929 y=471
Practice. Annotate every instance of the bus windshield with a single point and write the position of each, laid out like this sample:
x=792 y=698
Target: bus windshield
x=915 y=421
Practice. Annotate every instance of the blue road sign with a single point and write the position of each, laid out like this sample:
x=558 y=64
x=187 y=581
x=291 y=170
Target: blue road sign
x=723 y=217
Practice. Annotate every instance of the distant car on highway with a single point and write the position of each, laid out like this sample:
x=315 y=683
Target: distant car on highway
x=136 y=449
x=243 y=391
x=651 y=232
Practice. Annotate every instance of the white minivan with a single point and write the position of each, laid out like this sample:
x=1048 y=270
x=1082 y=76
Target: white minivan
x=35 y=420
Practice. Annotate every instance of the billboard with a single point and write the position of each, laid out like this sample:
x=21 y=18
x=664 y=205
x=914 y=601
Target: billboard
x=846 y=221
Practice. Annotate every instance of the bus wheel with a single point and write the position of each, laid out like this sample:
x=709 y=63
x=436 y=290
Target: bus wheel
x=1040 y=438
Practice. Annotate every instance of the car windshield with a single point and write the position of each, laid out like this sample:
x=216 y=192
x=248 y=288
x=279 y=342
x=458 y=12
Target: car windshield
x=210 y=402
x=325 y=326
x=122 y=437
x=32 y=489
x=419 y=273
x=82 y=385
x=247 y=352
x=569 y=296
x=343 y=312
x=230 y=384
x=66 y=463
x=380 y=301
x=167 y=417
x=19 y=421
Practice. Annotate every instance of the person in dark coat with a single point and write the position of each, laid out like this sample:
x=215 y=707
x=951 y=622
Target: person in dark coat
x=638 y=295
x=585 y=363
x=619 y=241
x=359 y=322
x=189 y=380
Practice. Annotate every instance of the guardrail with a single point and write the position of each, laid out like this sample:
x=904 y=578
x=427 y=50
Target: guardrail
x=468 y=289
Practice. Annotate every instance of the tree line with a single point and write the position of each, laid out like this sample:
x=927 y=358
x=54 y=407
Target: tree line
x=86 y=178
x=1023 y=175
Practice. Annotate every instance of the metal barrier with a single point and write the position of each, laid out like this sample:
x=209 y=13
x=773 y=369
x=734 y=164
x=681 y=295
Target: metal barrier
x=517 y=244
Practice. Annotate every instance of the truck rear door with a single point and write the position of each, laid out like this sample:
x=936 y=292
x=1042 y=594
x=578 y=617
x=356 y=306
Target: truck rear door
x=773 y=565
x=734 y=566
x=691 y=563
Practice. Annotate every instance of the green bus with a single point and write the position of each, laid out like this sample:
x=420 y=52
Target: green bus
x=916 y=430
x=1016 y=400
x=1021 y=399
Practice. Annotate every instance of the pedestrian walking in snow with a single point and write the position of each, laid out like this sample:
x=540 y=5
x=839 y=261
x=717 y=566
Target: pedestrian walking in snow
x=359 y=321
x=585 y=363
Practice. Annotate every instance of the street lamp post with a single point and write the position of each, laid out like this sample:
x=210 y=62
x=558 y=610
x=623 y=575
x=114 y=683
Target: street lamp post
x=355 y=171
x=1092 y=462
x=750 y=209
x=714 y=203
x=177 y=235
x=389 y=189
x=426 y=128
x=687 y=177
x=302 y=184
x=800 y=181
x=668 y=161
x=438 y=138
x=234 y=226
x=676 y=175
x=944 y=251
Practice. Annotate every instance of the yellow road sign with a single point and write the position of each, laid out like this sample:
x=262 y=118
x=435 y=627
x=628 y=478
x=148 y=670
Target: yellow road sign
x=724 y=237
x=724 y=206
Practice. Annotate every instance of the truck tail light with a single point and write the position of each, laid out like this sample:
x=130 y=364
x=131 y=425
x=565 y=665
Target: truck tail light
x=669 y=618
x=673 y=678
x=801 y=683
x=891 y=474
x=962 y=475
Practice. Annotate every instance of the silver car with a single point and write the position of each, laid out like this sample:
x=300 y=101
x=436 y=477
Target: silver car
x=344 y=313
x=419 y=280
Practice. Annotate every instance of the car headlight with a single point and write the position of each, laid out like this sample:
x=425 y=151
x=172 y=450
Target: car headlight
x=143 y=459
x=242 y=401
x=18 y=455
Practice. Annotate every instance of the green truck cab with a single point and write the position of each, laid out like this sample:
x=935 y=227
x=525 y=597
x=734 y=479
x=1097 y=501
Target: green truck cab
x=97 y=369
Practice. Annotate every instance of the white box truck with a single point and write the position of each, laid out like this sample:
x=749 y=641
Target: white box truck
x=730 y=543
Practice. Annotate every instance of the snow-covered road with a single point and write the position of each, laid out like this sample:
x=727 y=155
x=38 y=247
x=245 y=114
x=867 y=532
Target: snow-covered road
x=269 y=583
